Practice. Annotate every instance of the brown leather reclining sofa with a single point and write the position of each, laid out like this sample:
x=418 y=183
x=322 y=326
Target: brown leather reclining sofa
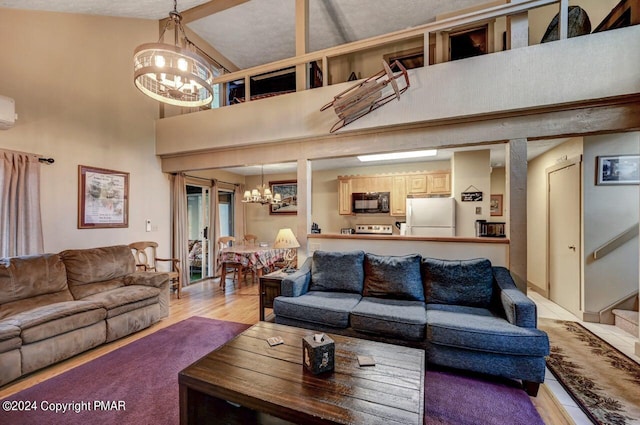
x=54 y=306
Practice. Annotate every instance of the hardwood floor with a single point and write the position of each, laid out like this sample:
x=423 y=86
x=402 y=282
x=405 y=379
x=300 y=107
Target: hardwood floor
x=207 y=299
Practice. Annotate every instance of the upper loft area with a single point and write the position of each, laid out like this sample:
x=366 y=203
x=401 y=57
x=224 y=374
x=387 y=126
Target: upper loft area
x=479 y=30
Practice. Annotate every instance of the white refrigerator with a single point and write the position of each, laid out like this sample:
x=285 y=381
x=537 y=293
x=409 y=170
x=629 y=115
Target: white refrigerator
x=431 y=216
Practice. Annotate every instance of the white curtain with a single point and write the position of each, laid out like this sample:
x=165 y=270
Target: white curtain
x=20 y=219
x=179 y=220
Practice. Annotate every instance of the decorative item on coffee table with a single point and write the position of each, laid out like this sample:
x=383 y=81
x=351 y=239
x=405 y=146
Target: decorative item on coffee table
x=318 y=353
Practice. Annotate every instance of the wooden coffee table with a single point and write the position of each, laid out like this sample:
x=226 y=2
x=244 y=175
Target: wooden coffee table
x=247 y=381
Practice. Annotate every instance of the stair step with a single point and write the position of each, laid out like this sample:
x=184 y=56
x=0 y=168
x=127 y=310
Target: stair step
x=627 y=320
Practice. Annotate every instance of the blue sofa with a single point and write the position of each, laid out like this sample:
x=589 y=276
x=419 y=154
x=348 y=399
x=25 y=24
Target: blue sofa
x=465 y=314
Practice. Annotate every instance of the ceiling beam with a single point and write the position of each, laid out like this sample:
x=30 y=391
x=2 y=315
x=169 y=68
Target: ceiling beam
x=199 y=12
x=208 y=8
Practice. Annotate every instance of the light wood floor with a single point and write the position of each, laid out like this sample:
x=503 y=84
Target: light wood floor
x=206 y=299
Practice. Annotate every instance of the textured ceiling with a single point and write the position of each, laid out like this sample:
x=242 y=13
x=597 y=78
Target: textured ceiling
x=262 y=31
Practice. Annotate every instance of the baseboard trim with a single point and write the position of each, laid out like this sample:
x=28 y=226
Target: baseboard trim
x=532 y=286
x=550 y=408
x=590 y=316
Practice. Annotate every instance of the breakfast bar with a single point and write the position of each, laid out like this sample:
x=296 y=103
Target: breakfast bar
x=452 y=247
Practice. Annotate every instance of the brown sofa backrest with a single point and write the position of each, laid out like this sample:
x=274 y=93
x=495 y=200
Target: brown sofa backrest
x=30 y=282
x=94 y=270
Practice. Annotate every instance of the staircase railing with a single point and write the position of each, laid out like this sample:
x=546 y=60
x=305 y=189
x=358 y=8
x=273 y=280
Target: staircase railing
x=616 y=242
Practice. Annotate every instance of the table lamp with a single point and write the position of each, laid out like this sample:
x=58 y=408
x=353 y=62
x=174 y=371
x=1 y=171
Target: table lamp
x=287 y=240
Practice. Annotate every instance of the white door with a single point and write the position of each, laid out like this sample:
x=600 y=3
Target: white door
x=564 y=238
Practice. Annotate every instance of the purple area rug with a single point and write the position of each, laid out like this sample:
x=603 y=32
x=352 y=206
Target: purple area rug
x=138 y=384
x=452 y=398
x=143 y=375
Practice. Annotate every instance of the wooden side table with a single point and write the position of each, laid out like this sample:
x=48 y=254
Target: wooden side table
x=269 y=289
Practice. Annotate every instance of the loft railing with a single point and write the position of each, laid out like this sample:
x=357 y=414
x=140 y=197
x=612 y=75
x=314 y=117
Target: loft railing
x=616 y=242
x=448 y=24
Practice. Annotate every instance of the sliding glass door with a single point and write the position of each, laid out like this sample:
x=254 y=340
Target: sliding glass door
x=198 y=202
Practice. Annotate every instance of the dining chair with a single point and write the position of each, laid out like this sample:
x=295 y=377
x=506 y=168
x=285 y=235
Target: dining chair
x=147 y=260
x=250 y=239
x=231 y=266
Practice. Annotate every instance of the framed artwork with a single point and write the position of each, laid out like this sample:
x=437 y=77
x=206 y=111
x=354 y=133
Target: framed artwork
x=496 y=205
x=288 y=190
x=103 y=198
x=618 y=169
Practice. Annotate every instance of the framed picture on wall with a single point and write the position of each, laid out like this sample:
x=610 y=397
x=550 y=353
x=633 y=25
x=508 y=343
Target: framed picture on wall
x=618 y=169
x=103 y=198
x=496 y=205
x=288 y=190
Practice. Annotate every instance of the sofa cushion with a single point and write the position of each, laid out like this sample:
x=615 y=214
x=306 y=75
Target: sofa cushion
x=458 y=282
x=478 y=329
x=324 y=308
x=401 y=319
x=337 y=271
x=121 y=300
x=396 y=277
x=37 y=280
x=55 y=319
x=99 y=268
x=155 y=279
x=9 y=337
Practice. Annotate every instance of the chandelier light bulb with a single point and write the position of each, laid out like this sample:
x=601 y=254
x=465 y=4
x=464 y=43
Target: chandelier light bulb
x=159 y=60
x=182 y=64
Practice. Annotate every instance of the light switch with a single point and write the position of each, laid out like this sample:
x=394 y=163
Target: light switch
x=147 y=225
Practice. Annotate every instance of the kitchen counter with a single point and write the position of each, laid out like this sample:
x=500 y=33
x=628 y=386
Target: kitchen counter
x=406 y=238
x=449 y=248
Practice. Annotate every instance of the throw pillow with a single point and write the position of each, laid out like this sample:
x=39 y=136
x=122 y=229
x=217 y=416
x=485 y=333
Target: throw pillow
x=395 y=277
x=337 y=271
x=458 y=282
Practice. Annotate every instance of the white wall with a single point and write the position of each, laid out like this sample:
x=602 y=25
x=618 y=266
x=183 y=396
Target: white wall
x=72 y=79
x=471 y=172
x=608 y=211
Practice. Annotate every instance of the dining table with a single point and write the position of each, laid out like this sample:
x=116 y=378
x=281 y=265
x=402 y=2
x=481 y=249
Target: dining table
x=256 y=257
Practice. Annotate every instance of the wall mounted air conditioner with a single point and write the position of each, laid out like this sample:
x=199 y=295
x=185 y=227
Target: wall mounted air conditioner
x=8 y=114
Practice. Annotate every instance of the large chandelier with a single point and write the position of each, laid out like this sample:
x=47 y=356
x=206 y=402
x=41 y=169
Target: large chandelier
x=261 y=195
x=173 y=74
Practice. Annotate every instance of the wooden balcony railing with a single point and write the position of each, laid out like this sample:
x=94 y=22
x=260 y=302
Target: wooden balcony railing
x=448 y=24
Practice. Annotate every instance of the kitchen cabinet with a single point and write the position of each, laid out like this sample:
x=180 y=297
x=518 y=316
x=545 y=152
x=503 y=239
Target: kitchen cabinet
x=398 y=185
x=417 y=183
x=344 y=193
x=398 y=196
x=439 y=183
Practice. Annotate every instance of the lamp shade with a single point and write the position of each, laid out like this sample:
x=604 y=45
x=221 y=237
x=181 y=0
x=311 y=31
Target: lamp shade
x=286 y=239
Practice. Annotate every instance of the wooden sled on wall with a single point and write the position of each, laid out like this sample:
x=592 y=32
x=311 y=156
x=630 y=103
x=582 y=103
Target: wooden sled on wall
x=368 y=95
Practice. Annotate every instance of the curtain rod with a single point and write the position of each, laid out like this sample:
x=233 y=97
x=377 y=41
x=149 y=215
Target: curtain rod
x=40 y=157
x=211 y=180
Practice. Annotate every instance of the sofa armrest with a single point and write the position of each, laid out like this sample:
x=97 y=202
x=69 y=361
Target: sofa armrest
x=518 y=308
x=155 y=279
x=297 y=283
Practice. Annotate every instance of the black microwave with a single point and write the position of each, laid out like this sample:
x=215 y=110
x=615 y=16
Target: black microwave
x=370 y=202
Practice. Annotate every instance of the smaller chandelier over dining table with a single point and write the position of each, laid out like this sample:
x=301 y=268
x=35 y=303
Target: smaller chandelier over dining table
x=171 y=73
x=261 y=194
